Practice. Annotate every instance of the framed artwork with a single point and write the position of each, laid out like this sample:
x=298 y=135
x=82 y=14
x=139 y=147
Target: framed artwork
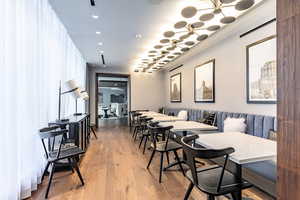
x=175 y=87
x=204 y=82
x=261 y=71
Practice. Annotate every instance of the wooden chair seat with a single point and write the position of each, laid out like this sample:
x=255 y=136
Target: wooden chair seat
x=161 y=146
x=65 y=153
x=208 y=180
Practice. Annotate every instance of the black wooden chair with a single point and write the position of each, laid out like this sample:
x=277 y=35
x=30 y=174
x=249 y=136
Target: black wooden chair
x=209 y=118
x=135 y=122
x=131 y=118
x=213 y=180
x=145 y=132
x=138 y=126
x=57 y=150
x=163 y=147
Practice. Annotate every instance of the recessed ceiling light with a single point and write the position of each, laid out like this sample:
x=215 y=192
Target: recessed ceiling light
x=98 y=32
x=95 y=16
x=100 y=43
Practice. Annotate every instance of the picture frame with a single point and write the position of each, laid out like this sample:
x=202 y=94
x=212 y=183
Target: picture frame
x=204 y=82
x=261 y=71
x=175 y=88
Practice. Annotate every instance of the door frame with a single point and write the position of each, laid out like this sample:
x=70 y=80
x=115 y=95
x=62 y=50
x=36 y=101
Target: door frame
x=115 y=75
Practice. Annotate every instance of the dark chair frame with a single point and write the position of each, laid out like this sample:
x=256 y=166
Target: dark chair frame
x=138 y=128
x=134 y=121
x=156 y=132
x=202 y=153
x=54 y=155
x=145 y=132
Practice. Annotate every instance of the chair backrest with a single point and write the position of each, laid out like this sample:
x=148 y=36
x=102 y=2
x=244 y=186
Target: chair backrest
x=156 y=131
x=210 y=118
x=134 y=117
x=147 y=119
x=131 y=115
x=193 y=152
x=171 y=114
x=54 y=136
x=161 y=110
x=141 y=110
x=183 y=114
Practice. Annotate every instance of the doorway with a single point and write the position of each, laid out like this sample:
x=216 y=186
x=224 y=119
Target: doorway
x=112 y=98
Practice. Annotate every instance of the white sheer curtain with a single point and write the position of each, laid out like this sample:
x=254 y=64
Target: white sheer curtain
x=35 y=54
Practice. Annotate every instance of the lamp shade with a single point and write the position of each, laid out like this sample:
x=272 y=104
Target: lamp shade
x=77 y=93
x=84 y=96
x=72 y=85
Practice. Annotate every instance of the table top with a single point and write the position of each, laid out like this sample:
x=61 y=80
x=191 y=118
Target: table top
x=248 y=148
x=188 y=126
x=165 y=118
x=72 y=119
x=152 y=114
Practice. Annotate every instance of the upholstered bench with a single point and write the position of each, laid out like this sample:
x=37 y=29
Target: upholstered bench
x=262 y=174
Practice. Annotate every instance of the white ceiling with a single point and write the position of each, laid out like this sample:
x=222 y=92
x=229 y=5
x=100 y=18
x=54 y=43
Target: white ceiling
x=119 y=22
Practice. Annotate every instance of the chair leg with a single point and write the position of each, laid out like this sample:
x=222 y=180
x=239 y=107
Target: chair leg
x=45 y=170
x=180 y=165
x=189 y=190
x=78 y=171
x=50 y=179
x=145 y=144
x=168 y=159
x=234 y=196
x=136 y=134
x=71 y=165
x=141 y=141
x=94 y=132
x=134 y=130
x=152 y=155
x=161 y=165
x=210 y=197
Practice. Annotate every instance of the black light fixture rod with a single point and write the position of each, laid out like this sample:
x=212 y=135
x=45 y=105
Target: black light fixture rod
x=175 y=68
x=103 y=61
x=258 y=27
x=93 y=3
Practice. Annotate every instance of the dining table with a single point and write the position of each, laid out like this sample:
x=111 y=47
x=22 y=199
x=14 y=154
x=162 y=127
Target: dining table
x=152 y=114
x=166 y=118
x=248 y=149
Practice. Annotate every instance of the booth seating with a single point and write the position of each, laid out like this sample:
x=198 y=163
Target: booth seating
x=261 y=174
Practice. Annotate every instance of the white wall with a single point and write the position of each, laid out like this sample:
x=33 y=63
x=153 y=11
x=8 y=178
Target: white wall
x=229 y=51
x=147 y=90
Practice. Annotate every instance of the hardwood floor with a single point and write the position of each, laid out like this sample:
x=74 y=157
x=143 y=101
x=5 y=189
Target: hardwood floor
x=114 y=168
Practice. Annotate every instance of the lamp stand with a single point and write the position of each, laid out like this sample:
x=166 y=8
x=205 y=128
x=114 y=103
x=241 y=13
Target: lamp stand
x=59 y=102
x=76 y=113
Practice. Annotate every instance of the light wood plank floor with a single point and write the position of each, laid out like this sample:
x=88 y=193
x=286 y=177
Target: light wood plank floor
x=115 y=169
